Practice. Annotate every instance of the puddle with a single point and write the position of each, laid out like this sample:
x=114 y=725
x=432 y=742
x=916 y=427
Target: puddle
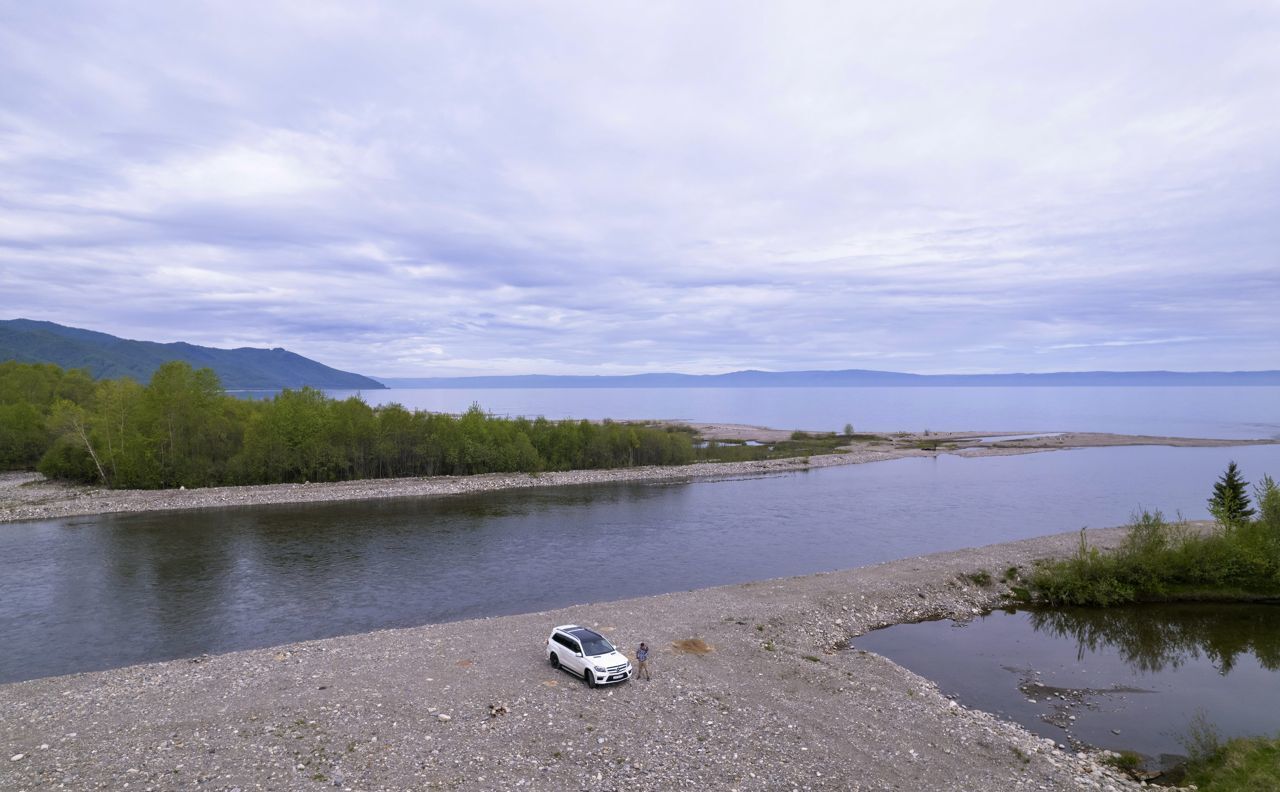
x=1132 y=678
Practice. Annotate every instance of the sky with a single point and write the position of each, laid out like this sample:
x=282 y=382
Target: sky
x=449 y=189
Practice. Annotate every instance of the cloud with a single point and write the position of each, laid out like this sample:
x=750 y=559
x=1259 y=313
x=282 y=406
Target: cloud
x=490 y=189
x=1130 y=342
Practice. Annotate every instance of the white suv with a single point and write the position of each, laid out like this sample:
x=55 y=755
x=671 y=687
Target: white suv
x=587 y=654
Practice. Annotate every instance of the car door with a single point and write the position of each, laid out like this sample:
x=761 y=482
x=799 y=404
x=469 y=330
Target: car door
x=575 y=661
x=570 y=653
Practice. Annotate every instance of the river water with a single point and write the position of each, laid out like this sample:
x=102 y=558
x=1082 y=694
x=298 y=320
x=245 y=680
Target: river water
x=87 y=593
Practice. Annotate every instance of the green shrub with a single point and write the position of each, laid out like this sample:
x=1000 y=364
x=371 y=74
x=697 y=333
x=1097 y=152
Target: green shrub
x=1125 y=761
x=980 y=578
x=1161 y=560
x=1239 y=765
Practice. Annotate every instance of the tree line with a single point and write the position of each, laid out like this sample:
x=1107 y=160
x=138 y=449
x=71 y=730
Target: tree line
x=183 y=429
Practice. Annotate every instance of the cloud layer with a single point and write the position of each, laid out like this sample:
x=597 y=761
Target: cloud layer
x=520 y=188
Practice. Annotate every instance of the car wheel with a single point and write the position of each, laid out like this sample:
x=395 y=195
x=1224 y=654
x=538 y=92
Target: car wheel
x=590 y=677
x=555 y=660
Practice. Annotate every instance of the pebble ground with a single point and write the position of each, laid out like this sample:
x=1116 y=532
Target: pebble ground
x=774 y=702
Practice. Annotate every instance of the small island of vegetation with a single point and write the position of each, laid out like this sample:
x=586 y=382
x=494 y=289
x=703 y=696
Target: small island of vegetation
x=1163 y=561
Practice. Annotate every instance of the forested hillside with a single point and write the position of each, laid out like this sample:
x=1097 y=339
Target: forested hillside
x=182 y=429
x=106 y=356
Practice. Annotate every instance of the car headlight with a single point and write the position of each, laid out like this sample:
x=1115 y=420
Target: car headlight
x=599 y=669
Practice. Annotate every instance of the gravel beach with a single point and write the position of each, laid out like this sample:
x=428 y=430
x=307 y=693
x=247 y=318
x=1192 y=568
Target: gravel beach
x=752 y=689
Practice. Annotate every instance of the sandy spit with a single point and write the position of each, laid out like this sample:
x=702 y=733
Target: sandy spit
x=28 y=496
x=777 y=702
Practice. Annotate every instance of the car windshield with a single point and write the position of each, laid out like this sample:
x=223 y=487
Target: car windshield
x=596 y=646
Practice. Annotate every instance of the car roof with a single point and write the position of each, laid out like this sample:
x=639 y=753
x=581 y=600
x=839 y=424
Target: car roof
x=578 y=632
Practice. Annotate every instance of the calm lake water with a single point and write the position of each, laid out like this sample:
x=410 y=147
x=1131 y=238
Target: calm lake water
x=97 y=592
x=1132 y=678
x=1225 y=412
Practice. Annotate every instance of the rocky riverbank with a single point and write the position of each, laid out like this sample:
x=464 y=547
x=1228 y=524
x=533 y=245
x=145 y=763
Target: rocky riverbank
x=752 y=689
x=28 y=496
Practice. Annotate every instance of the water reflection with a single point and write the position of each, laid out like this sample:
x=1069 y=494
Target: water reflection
x=1152 y=639
x=88 y=593
x=1126 y=678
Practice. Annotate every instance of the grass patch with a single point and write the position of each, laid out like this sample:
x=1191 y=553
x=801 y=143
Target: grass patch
x=1125 y=761
x=980 y=578
x=1238 y=765
x=1161 y=560
x=1020 y=594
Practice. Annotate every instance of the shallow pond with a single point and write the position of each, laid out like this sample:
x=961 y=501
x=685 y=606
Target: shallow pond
x=1138 y=678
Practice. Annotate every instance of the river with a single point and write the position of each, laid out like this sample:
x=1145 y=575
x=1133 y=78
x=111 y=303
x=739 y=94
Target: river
x=87 y=593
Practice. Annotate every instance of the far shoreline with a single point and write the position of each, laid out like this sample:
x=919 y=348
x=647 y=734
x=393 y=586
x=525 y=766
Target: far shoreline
x=28 y=496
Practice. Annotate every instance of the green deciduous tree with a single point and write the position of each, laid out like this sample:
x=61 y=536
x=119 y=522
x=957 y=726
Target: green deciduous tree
x=183 y=429
x=186 y=426
x=24 y=436
x=71 y=423
x=1267 y=495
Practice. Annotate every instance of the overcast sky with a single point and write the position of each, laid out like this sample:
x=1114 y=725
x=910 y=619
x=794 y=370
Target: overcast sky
x=614 y=188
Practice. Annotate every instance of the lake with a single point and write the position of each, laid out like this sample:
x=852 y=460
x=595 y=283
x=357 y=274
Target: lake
x=87 y=593
x=1219 y=412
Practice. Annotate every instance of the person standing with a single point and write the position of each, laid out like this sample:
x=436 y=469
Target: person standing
x=642 y=662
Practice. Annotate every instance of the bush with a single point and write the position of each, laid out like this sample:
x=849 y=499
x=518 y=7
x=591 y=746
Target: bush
x=1244 y=764
x=1160 y=560
x=67 y=460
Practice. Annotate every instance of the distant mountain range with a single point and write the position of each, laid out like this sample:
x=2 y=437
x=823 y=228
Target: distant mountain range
x=848 y=378
x=106 y=356
x=248 y=368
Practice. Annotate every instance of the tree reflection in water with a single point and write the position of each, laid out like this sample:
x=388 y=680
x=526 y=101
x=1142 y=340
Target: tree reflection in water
x=1156 y=636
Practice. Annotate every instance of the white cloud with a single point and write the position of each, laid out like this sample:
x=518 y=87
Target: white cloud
x=402 y=190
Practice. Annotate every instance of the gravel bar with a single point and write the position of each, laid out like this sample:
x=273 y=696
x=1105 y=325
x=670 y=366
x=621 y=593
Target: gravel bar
x=28 y=496
x=752 y=689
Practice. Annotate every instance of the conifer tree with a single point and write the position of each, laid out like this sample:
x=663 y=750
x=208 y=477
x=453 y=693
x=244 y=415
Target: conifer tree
x=1230 y=502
